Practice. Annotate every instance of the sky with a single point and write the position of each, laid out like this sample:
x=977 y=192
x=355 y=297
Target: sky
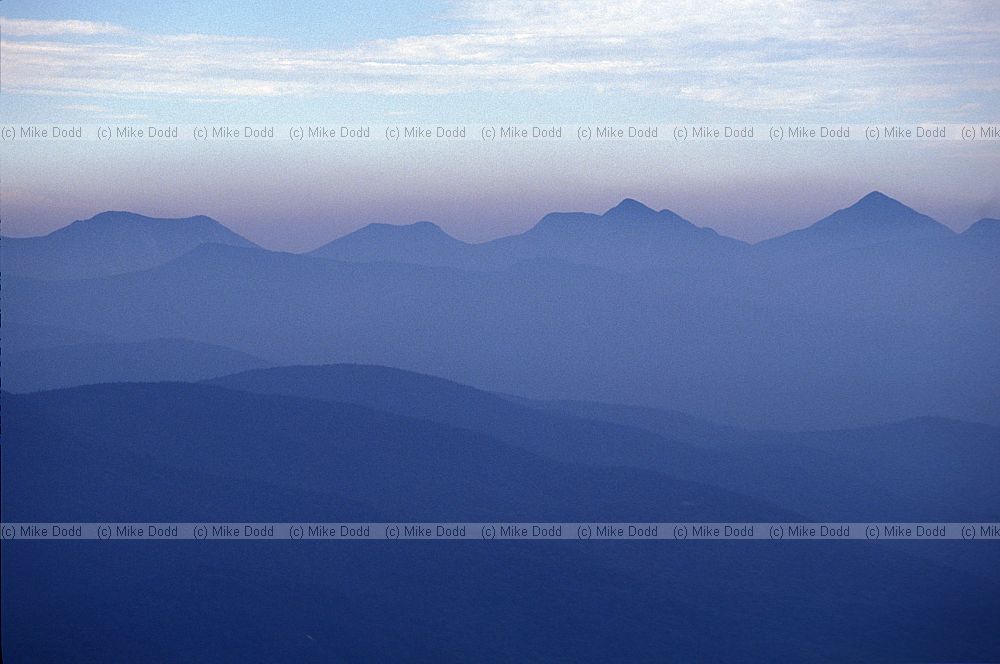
x=546 y=62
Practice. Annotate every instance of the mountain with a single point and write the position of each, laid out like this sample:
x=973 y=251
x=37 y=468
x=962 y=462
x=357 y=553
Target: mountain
x=874 y=219
x=822 y=472
x=113 y=362
x=629 y=237
x=984 y=229
x=110 y=243
x=582 y=310
x=422 y=243
x=380 y=462
x=828 y=476
x=175 y=452
x=629 y=217
x=801 y=346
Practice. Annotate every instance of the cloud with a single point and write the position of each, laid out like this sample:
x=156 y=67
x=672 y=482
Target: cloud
x=747 y=54
x=26 y=27
x=86 y=108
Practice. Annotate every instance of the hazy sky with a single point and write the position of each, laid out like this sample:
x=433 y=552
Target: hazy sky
x=493 y=62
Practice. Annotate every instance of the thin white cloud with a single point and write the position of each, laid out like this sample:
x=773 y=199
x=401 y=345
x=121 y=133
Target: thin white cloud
x=745 y=54
x=27 y=27
x=86 y=108
x=195 y=38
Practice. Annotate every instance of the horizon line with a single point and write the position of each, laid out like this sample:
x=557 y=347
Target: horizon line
x=873 y=194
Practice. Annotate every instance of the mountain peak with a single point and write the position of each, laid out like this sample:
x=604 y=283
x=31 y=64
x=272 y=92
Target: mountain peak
x=422 y=242
x=130 y=227
x=120 y=216
x=115 y=242
x=878 y=211
x=873 y=219
x=395 y=232
x=877 y=201
x=876 y=196
x=629 y=207
x=114 y=215
x=124 y=223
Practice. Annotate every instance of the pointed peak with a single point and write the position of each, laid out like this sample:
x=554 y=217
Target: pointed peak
x=874 y=218
x=876 y=200
x=877 y=208
x=630 y=207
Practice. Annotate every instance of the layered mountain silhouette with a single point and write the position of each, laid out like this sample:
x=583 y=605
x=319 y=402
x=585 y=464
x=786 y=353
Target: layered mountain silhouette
x=110 y=243
x=870 y=474
x=873 y=340
x=423 y=243
x=874 y=219
x=837 y=325
x=417 y=469
x=112 y=362
x=627 y=237
x=586 y=337
x=632 y=236
x=181 y=452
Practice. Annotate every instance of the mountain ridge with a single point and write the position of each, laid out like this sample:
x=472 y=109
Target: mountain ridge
x=873 y=219
x=815 y=472
x=112 y=242
x=591 y=238
x=984 y=228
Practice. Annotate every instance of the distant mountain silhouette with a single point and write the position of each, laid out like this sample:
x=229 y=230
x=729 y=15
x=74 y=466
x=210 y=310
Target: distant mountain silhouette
x=627 y=237
x=818 y=474
x=791 y=345
x=874 y=219
x=629 y=216
x=111 y=243
x=633 y=237
x=173 y=452
x=984 y=229
x=85 y=363
x=633 y=306
x=422 y=243
x=390 y=464
x=598 y=323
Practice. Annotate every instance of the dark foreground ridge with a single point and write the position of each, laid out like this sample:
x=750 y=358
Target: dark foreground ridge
x=169 y=452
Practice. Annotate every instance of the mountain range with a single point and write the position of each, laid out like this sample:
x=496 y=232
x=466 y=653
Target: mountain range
x=874 y=219
x=867 y=474
x=628 y=237
x=772 y=336
x=111 y=243
x=168 y=452
x=627 y=366
x=67 y=365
